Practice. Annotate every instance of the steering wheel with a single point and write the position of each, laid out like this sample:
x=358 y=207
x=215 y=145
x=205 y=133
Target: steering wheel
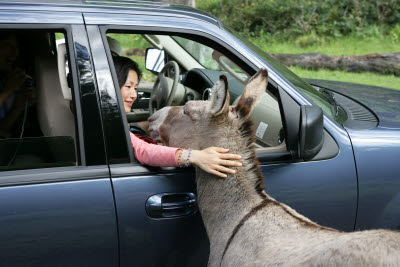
x=164 y=88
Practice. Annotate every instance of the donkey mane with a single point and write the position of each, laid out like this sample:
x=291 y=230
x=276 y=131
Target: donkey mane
x=247 y=132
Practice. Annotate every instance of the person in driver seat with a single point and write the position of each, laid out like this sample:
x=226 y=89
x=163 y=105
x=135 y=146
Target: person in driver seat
x=16 y=87
x=214 y=160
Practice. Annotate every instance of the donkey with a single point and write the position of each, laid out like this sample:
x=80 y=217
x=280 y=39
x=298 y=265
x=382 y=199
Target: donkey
x=245 y=226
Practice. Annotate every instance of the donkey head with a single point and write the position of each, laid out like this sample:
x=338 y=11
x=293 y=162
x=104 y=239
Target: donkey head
x=200 y=124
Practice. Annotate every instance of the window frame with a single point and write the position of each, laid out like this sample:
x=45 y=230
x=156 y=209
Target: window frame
x=79 y=146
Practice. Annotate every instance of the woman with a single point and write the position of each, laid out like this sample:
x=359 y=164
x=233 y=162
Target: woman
x=212 y=159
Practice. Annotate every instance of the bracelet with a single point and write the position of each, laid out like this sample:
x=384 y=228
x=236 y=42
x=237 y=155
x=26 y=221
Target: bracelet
x=187 y=164
x=179 y=158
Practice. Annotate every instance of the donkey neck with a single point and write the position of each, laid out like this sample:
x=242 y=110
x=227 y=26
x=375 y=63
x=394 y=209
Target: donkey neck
x=224 y=202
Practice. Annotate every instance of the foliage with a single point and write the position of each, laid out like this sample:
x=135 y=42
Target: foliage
x=332 y=27
x=291 y=19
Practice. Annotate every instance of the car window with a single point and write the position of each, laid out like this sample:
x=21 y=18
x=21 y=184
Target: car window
x=210 y=58
x=316 y=96
x=37 y=122
x=200 y=66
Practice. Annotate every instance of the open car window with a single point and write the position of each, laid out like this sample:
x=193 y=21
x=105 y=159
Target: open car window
x=200 y=66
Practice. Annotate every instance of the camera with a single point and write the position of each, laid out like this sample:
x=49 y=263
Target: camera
x=28 y=81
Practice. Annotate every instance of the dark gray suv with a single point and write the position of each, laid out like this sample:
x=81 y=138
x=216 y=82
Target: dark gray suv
x=72 y=192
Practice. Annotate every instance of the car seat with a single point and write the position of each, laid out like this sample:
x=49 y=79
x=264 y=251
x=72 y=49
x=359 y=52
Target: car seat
x=54 y=113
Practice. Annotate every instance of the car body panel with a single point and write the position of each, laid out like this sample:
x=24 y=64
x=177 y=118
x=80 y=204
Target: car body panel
x=147 y=241
x=113 y=7
x=59 y=219
x=384 y=102
x=324 y=191
x=40 y=16
x=379 y=182
x=61 y=215
x=92 y=138
x=376 y=152
x=114 y=124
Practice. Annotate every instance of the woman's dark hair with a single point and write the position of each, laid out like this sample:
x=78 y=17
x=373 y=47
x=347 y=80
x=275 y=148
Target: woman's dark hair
x=122 y=66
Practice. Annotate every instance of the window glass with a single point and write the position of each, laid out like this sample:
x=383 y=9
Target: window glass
x=316 y=96
x=210 y=58
x=199 y=65
x=37 y=125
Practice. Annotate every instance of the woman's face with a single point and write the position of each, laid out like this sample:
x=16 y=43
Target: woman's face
x=129 y=90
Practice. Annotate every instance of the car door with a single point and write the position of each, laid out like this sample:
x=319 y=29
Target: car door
x=157 y=214
x=57 y=206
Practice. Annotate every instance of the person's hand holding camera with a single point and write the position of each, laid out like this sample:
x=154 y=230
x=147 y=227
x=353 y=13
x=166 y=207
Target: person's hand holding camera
x=15 y=80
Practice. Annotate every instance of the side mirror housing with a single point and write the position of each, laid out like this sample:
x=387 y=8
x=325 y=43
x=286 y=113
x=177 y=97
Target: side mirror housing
x=311 y=134
x=155 y=60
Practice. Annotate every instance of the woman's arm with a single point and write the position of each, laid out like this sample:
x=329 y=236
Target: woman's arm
x=212 y=159
x=153 y=155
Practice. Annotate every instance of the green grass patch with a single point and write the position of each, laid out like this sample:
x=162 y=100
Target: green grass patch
x=348 y=45
x=389 y=81
x=130 y=41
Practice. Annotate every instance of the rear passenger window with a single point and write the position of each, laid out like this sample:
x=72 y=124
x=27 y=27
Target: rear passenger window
x=37 y=122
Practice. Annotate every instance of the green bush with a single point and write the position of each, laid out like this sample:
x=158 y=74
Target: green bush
x=280 y=19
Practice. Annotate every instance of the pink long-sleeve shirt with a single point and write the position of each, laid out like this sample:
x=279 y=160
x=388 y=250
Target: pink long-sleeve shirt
x=153 y=155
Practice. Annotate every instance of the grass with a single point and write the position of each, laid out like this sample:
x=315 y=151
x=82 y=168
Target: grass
x=389 y=81
x=346 y=45
x=349 y=45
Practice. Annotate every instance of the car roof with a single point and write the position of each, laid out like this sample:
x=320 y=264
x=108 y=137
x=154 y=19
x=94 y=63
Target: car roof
x=111 y=6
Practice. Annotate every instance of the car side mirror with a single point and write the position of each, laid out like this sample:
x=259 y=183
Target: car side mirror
x=311 y=131
x=155 y=60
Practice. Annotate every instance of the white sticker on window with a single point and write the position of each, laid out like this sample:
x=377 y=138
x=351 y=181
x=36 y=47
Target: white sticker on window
x=262 y=127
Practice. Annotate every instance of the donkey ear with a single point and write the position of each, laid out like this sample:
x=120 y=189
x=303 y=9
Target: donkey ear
x=252 y=93
x=220 y=97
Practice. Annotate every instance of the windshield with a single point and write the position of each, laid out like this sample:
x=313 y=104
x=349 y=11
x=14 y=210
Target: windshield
x=312 y=93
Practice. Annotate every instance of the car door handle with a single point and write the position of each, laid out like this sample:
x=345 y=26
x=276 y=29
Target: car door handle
x=169 y=205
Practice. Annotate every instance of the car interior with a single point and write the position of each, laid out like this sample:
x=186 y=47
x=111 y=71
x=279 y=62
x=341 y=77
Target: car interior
x=44 y=133
x=188 y=67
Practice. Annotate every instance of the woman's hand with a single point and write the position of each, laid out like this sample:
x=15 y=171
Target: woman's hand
x=214 y=159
